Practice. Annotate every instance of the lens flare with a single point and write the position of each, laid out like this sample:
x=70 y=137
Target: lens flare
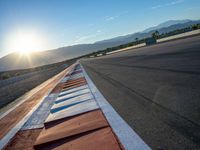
x=25 y=43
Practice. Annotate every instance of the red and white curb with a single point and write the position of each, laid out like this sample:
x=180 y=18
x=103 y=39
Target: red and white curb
x=125 y=134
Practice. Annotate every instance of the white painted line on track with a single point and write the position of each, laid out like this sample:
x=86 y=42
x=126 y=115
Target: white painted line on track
x=126 y=135
x=36 y=120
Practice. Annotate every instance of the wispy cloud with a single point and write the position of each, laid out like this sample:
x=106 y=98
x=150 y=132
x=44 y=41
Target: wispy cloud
x=80 y=39
x=109 y=18
x=157 y=6
x=175 y=2
x=84 y=38
x=99 y=31
x=91 y=24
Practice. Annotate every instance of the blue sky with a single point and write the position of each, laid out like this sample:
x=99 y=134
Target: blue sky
x=68 y=22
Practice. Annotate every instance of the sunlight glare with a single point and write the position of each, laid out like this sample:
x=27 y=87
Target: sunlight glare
x=25 y=43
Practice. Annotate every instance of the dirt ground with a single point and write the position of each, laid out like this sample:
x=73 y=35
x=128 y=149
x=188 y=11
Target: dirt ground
x=17 y=88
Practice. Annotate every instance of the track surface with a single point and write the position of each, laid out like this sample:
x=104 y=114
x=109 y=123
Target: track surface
x=156 y=89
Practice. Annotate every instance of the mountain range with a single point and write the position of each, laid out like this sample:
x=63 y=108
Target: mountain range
x=14 y=61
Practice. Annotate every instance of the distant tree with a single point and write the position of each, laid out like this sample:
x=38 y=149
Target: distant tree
x=136 y=40
x=121 y=46
x=17 y=73
x=130 y=44
x=195 y=26
x=5 y=76
x=155 y=35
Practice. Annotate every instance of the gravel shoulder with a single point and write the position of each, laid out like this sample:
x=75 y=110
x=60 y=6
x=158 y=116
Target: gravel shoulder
x=13 y=88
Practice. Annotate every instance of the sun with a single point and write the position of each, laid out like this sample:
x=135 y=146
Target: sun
x=26 y=43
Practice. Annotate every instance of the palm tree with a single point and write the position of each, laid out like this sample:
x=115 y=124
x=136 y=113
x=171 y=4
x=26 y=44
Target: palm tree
x=155 y=35
x=136 y=40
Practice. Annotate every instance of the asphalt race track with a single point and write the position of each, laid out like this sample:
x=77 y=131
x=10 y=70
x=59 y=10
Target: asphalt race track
x=156 y=90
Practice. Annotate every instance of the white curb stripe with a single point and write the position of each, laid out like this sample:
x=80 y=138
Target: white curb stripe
x=128 y=138
x=86 y=106
x=74 y=94
x=72 y=90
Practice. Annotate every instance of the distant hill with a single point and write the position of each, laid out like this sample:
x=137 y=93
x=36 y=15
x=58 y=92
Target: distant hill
x=162 y=28
x=167 y=24
x=12 y=61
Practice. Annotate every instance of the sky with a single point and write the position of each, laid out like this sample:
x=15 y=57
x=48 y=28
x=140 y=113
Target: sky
x=67 y=22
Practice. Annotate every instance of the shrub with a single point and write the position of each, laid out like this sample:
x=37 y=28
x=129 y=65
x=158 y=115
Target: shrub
x=5 y=76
